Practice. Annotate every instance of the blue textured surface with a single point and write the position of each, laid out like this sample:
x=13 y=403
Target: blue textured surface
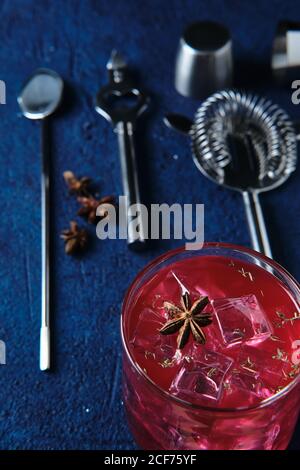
x=78 y=404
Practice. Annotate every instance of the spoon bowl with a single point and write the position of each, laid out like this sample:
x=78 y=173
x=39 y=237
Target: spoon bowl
x=41 y=94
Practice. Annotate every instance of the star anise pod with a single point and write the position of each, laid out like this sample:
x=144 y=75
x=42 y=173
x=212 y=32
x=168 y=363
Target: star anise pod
x=89 y=207
x=186 y=319
x=75 y=185
x=75 y=238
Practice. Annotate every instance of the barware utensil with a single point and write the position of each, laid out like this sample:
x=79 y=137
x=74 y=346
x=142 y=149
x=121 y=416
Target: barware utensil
x=39 y=98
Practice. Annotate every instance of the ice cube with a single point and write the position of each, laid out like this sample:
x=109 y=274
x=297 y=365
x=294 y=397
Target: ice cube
x=201 y=375
x=255 y=376
x=242 y=390
x=150 y=343
x=241 y=319
x=249 y=384
x=146 y=334
x=165 y=352
x=263 y=364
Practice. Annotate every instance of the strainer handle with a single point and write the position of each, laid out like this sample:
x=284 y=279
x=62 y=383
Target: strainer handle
x=256 y=222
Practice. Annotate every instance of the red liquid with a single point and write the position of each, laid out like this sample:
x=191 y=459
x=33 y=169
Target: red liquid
x=248 y=361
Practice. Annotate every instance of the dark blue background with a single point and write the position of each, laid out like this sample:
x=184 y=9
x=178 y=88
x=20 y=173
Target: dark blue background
x=78 y=404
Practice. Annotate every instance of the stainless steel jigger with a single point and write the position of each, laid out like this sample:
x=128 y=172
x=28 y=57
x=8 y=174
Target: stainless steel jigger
x=121 y=104
x=286 y=52
x=204 y=61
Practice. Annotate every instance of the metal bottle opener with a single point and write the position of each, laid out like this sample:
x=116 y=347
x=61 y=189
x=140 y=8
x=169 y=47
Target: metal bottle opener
x=121 y=103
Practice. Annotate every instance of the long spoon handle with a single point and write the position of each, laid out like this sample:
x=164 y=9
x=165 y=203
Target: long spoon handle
x=45 y=238
x=257 y=226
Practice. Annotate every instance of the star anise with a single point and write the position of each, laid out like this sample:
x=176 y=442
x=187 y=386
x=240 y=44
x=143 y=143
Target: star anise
x=89 y=207
x=75 y=185
x=186 y=319
x=75 y=238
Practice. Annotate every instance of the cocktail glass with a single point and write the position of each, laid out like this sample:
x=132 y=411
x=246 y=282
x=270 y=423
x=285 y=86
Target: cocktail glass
x=160 y=420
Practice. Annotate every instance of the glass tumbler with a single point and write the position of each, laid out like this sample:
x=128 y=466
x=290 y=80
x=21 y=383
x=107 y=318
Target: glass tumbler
x=161 y=421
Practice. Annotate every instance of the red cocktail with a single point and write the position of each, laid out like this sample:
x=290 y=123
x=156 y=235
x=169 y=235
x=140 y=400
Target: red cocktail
x=212 y=351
